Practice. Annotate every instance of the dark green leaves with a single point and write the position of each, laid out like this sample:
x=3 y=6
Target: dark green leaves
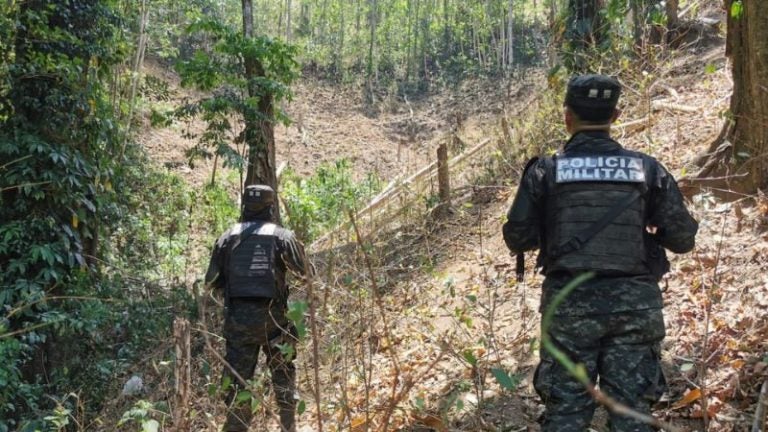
x=201 y=71
x=221 y=71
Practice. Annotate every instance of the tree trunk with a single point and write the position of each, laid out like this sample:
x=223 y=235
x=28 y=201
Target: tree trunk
x=738 y=160
x=511 y=36
x=637 y=24
x=357 y=18
x=672 y=18
x=339 y=61
x=259 y=129
x=447 y=48
x=288 y=23
x=138 y=63
x=426 y=43
x=372 y=17
x=672 y=7
x=409 y=38
x=553 y=40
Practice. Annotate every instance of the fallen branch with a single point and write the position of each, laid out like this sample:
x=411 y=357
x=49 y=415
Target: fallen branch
x=663 y=104
x=633 y=126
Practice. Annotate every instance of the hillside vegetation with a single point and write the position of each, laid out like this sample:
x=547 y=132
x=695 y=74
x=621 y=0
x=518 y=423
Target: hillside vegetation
x=124 y=151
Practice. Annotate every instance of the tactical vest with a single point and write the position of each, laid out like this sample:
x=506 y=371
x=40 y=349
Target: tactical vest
x=582 y=188
x=251 y=267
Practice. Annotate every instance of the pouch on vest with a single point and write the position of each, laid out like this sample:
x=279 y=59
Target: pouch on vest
x=251 y=268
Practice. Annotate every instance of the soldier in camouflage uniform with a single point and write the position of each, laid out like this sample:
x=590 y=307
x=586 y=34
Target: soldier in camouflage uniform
x=249 y=264
x=598 y=207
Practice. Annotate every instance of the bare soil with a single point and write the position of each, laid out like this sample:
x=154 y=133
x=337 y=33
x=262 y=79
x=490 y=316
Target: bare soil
x=397 y=135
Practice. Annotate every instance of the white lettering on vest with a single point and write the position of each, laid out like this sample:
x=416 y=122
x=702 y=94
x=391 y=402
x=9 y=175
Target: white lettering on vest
x=625 y=169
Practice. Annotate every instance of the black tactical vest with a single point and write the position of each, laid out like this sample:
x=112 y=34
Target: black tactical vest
x=582 y=188
x=251 y=267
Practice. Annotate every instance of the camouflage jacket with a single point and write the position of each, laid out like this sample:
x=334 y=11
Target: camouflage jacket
x=676 y=231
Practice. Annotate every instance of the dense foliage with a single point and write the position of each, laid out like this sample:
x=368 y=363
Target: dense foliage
x=90 y=231
x=220 y=72
x=408 y=40
x=321 y=202
x=419 y=41
x=56 y=147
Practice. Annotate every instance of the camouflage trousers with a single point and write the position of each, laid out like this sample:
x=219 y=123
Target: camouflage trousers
x=251 y=326
x=621 y=352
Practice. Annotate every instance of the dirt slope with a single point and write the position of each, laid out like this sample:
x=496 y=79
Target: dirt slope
x=399 y=134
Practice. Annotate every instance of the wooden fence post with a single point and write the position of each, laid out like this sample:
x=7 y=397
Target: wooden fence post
x=443 y=178
x=182 y=373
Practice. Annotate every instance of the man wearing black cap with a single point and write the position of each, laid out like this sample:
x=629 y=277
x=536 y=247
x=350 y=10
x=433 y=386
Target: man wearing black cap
x=597 y=207
x=249 y=264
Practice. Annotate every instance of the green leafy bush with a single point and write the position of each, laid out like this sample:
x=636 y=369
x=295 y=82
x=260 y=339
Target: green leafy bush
x=319 y=203
x=88 y=226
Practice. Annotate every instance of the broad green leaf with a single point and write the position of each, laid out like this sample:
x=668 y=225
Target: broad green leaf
x=242 y=396
x=505 y=381
x=301 y=408
x=470 y=357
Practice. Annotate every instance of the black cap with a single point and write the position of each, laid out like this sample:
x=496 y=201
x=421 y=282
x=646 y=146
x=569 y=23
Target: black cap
x=258 y=197
x=593 y=97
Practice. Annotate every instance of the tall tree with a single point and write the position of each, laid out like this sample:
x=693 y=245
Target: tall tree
x=288 y=23
x=259 y=127
x=671 y=9
x=371 y=75
x=738 y=159
x=510 y=35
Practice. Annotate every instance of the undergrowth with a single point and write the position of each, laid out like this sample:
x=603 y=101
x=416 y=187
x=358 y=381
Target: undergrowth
x=319 y=203
x=93 y=327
